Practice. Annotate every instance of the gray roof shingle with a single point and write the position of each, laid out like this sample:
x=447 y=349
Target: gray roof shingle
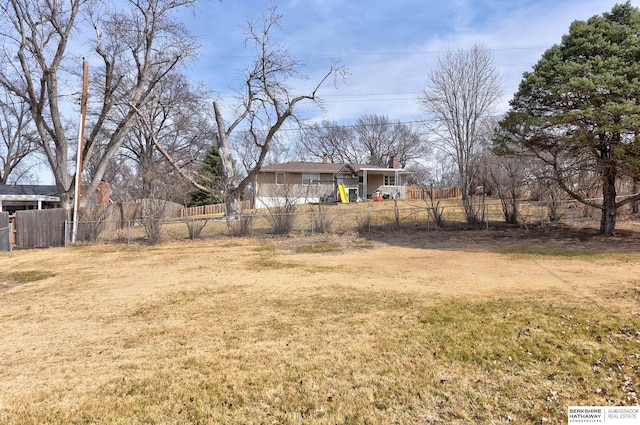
x=29 y=190
x=319 y=167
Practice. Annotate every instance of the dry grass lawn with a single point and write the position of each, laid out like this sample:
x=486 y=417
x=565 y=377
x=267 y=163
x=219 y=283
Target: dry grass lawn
x=439 y=328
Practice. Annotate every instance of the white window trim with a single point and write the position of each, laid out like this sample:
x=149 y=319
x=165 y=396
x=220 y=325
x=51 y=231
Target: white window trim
x=387 y=181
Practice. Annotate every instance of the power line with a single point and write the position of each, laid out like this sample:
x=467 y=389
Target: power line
x=388 y=53
x=390 y=123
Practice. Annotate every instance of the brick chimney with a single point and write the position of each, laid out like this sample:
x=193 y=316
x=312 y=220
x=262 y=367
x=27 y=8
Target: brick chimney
x=394 y=162
x=103 y=196
x=325 y=159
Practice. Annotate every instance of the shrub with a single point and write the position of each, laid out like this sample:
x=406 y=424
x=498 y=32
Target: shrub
x=153 y=211
x=239 y=226
x=322 y=220
x=195 y=227
x=91 y=222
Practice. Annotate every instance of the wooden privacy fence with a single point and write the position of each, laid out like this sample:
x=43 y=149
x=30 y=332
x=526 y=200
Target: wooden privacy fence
x=209 y=209
x=423 y=193
x=40 y=228
x=5 y=232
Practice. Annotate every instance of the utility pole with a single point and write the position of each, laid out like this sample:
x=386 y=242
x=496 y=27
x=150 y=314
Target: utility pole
x=79 y=158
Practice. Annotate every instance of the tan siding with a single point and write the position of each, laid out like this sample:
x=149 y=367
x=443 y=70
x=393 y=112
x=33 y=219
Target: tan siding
x=266 y=178
x=375 y=182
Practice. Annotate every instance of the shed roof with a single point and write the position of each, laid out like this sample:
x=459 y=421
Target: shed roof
x=25 y=192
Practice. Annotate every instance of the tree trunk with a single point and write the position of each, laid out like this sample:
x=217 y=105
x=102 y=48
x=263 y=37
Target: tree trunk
x=233 y=203
x=634 y=204
x=229 y=182
x=66 y=202
x=609 y=208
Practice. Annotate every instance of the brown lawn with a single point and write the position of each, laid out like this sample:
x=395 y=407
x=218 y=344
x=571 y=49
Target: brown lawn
x=507 y=326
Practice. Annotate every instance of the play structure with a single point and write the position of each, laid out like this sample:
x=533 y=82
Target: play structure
x=343 y=194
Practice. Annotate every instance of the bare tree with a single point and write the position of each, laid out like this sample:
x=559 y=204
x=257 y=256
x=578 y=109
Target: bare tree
x=545 y=188
x=461 y=92
x=266 y=104
x=329 y=140
x=381 y=139
x=509 y=176
x=373 y=139
x=136 y=45
x=16 y=136
x=244 y=148
x=172 y=121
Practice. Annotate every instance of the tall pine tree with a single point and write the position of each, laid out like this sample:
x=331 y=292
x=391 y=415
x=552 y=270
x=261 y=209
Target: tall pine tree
x=578 y=111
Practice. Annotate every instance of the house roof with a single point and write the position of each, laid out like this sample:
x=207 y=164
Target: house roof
x=300 y=167
x=29 y=193
x=324 y=167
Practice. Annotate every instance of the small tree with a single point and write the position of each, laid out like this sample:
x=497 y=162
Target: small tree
x=433 y=206
x=211 y=178
x=508 y=175
x=195 y=226
x=153 y=214
x=281 y=216
x=322 y=221
x=92 y=221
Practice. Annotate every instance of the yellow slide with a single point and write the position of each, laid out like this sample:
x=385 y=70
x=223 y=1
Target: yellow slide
x=343 y=194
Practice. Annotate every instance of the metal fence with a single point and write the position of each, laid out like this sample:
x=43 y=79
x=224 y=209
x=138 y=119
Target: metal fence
x=319 y=219
x=5 y=239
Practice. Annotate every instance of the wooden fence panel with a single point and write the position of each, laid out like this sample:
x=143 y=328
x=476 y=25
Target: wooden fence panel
x=445 y=193
x=40 y=228
x=5 y=232
x=210 y=209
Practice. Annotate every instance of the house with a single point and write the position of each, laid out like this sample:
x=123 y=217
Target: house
x=311 y=182
x=28 y=197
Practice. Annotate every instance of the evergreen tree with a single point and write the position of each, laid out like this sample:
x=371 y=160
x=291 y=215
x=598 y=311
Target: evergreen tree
x=578 y=111
x=212 y=172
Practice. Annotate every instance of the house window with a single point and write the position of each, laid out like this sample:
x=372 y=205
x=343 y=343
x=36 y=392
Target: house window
x=310 y=179
x=389 y=180
x=279 y=178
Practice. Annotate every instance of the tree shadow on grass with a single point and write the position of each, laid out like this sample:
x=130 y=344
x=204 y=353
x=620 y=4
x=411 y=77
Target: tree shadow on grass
x=577 y=237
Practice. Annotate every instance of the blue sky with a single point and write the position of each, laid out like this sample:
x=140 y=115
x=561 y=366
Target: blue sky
x=388 y=47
